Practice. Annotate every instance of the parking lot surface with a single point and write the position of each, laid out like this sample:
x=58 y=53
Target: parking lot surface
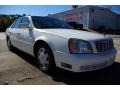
x=20 y=68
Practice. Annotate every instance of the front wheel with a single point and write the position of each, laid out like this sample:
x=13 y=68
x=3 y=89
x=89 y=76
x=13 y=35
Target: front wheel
x=45 y=58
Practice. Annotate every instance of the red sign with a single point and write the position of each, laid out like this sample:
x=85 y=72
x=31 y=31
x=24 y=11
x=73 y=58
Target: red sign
x=73 y=16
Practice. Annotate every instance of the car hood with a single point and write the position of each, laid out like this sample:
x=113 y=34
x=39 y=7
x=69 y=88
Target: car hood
x=71 y=33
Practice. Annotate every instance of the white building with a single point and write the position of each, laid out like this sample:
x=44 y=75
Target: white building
x=92 y=17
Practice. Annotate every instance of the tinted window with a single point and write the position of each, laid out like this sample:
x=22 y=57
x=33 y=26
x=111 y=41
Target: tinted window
x=16 y=23
x=46 y=22
x=25 y=20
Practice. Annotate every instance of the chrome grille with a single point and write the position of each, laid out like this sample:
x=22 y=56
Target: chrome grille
x=104 y=45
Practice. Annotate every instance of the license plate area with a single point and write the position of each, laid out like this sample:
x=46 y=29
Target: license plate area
x=94 y=66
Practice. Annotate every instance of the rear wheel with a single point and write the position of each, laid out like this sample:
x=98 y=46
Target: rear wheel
x=45 y=58
x=10 y=47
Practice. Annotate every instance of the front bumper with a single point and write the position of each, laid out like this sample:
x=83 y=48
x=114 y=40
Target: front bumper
x=85 y=62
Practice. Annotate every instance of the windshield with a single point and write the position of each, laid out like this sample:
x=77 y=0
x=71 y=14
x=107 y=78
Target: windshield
x=46 y=22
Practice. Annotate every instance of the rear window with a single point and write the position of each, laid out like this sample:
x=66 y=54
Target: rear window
x=16 y=23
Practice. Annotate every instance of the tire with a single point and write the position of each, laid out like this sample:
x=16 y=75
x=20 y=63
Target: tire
x=9 y=45
x=45 y=58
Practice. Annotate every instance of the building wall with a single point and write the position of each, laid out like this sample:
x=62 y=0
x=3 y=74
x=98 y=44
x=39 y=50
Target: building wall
x=118 y=21
x=92 y=17
x=102 y=17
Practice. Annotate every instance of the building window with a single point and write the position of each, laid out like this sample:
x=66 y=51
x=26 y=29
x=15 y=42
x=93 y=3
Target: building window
x=92 y=10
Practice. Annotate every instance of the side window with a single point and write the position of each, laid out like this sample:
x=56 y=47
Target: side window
x=16 y=23
x=25 y=20
x=24 y=23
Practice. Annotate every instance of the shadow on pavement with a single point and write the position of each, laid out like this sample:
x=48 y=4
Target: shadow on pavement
x=107 y=76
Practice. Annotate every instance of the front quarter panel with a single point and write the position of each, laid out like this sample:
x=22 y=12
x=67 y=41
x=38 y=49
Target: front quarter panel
x=56 y=43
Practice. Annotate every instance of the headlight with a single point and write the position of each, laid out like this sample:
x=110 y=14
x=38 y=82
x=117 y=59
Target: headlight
x=79 y=46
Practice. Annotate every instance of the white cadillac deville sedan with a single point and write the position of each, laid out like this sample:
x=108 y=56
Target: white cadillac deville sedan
x=55 y=44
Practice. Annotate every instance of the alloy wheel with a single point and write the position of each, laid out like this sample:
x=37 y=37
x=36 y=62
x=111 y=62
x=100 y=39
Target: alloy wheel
x=43 y=58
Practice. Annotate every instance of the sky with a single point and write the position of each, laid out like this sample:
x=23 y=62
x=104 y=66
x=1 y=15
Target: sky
x=42 y=10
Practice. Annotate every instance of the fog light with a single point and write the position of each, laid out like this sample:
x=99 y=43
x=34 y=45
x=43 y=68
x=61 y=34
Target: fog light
x=66 y=65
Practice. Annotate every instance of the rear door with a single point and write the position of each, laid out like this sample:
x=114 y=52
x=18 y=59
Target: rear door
x=14 y=33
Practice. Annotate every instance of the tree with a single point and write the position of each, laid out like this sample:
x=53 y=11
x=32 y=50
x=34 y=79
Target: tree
x=7 y=20
x=24 y=14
